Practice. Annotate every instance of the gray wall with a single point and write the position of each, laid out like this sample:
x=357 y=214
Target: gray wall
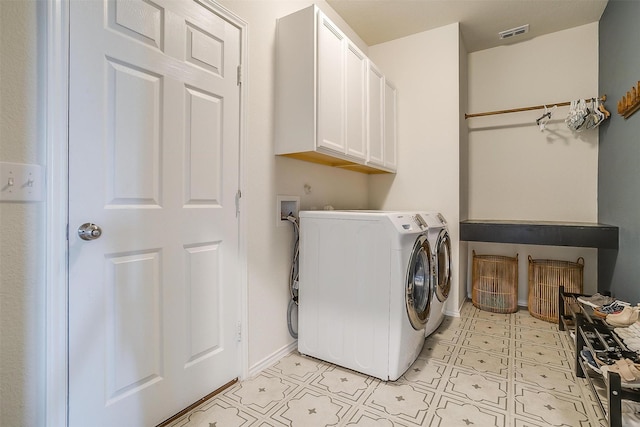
x=619 y=155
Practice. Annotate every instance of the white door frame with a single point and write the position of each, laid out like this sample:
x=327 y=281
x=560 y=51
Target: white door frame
x=56 y=100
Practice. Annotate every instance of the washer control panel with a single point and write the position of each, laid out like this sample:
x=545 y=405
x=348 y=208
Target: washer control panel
x=409 y=223
x=434 y=219
x=421 y=221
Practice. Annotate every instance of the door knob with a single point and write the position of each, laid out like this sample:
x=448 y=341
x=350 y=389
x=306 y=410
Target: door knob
x=89 y=231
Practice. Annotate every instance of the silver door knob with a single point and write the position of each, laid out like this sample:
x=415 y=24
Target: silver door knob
x=89 y=231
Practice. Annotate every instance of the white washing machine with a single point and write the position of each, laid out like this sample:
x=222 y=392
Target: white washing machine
x=438 y=236
x=365 y=289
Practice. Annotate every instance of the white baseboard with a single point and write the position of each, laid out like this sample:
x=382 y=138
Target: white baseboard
x=451 y=313
x=272 y=358
x=456 y=311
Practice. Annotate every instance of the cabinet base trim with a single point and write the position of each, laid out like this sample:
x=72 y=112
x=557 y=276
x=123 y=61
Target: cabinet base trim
x=324 y=159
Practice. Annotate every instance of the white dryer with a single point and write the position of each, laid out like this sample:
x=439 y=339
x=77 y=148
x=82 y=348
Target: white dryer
x=438 y=236
x=365 y=289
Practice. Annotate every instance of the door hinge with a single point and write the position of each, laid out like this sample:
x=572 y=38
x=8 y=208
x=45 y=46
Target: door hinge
x=239 y=76
x=238 y=196
x=239 y=331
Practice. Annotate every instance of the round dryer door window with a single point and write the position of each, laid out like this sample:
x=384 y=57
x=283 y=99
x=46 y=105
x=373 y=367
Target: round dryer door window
x=443 y=266
x=418 y=290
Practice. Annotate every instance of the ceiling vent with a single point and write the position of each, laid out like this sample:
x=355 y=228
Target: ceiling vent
x=514 y=32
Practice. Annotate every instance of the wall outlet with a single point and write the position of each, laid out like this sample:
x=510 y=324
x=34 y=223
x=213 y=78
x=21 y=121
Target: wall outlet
x=286 y=205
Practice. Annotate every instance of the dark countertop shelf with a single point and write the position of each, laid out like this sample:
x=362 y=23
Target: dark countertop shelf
x=551 y=233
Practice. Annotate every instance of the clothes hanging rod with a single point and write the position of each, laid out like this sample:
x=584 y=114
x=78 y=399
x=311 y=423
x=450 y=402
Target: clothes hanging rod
x=603 y=98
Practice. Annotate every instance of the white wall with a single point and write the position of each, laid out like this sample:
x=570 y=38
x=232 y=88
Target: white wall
x=463 y=196
x=266 y=176
x=21 y=224
x=515 y=170
x=425 y=69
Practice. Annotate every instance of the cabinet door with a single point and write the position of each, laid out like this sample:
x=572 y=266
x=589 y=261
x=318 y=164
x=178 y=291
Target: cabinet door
x=356 y=90
x=330 y=89
x=375 y=118
x=390 y=155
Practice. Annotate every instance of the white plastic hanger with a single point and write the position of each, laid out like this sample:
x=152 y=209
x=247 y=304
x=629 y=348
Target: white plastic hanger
x=546 y=117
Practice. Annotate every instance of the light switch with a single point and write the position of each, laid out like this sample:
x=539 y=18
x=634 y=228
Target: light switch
x=21 y=182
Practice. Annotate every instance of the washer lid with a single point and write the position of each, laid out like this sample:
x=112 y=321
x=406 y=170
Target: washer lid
x=419 y=282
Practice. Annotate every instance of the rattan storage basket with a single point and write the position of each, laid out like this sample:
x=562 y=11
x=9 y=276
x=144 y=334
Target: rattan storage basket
x=545 y=278
x=495 y=283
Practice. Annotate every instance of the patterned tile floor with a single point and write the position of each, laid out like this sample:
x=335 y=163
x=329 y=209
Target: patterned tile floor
x=481 y=369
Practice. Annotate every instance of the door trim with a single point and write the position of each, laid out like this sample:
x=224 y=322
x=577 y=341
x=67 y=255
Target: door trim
x=56 y=100
x=56 y=275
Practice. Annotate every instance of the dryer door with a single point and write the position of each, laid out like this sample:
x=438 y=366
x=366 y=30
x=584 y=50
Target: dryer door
x=419 y=282
x=443 y=265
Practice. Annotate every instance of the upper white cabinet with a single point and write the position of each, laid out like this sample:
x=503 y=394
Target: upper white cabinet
x=381 y=113
x=330 y=87
x=322 y=95
x=375 y=131
x=356 y=102
x=390 y=144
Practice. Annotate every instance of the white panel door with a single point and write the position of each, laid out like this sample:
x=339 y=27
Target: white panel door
x=154 y=159
x=356 y=102
x=330 y=89
x=375 y=116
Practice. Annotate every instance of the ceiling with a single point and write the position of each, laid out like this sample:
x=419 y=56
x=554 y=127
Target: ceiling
x=378 y=21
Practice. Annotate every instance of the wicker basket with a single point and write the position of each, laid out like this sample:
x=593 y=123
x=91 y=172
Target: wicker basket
x=545 y=278
x=495 y=283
